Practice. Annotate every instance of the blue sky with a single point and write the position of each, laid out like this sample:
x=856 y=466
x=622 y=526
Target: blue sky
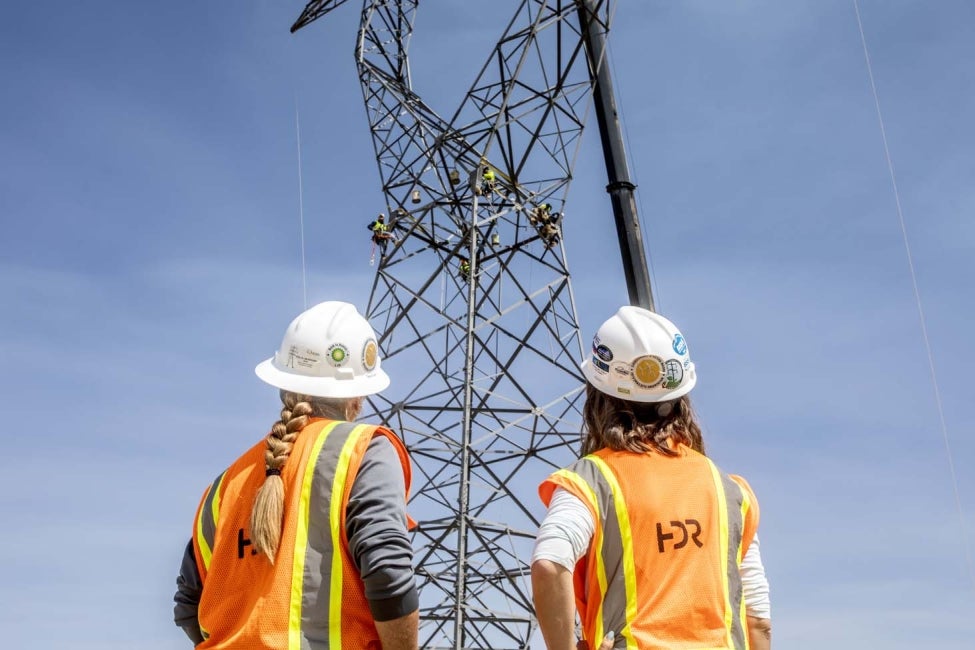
x=149 y=259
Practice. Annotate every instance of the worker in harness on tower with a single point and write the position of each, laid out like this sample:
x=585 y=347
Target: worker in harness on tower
x=645 y=535
x=539 y=214
x=465 y=269
x=487 y=180
x=548 y=227
x=303 y=541
x=380 y=233
x=546 y=223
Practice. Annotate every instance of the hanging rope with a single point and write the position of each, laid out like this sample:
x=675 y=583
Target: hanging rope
x=917 y=299
x=301 y=212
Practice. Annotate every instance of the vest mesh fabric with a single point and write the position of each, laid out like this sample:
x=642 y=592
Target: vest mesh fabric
x=249 y=603
x=662 y=571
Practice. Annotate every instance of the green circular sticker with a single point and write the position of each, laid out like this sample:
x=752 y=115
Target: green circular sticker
x=337 y=354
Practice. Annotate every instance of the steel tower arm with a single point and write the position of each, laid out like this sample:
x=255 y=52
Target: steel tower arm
x=315 y=10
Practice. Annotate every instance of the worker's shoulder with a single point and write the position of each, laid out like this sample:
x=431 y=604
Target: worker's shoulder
x=745 y=486
x=385 y=438
x=253 y=454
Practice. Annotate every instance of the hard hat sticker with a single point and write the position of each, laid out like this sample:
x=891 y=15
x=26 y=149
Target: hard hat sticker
x=622 y=369
x=673 y=373
x=603 y=352
x=680 y=345
x=337 y=354
x=370 y=354
x=599 y=364
x=648 y=371
x=301 y=358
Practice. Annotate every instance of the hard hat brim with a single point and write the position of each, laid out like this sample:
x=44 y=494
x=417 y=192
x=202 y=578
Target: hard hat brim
x=370 y=384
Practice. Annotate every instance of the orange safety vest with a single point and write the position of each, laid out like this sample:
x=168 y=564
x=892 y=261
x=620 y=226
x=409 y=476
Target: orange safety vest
x=662 y=571
x=312 y=596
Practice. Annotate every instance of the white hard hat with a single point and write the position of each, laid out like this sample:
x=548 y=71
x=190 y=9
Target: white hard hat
x=640 y=356
x=329 y=350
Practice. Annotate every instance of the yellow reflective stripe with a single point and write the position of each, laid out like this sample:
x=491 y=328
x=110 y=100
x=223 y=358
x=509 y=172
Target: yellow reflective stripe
x=211 y=502
x=597 y=540
x=626 y=536
x=301 y=542
x=206 y=552
x=742 y=614
x=744 y=624
x=746 y=505
x=215 y=506
x=723 y=543
x=335 y=517
x=580 y=483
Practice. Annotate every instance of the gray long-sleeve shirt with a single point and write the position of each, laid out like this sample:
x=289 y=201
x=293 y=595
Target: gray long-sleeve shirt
x=378 y=540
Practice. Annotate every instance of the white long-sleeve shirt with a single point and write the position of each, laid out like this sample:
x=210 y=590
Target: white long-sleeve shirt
x=568 y=528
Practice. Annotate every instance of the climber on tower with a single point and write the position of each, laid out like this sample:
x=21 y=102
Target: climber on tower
x=380 y=233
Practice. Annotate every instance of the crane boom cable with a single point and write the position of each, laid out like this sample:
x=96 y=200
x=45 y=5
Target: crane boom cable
x=625 y=215
x=301 y=212
x=654 y=285
x=917 y=299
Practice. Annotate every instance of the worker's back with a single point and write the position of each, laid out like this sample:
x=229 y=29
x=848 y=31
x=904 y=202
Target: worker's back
x=250 y=603
x=670 y=535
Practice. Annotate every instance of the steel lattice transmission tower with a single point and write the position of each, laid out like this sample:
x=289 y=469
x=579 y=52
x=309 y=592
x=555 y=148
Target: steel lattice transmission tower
x=487 y=393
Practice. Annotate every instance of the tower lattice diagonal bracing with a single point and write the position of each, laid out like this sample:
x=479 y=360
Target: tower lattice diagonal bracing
x=473 y=300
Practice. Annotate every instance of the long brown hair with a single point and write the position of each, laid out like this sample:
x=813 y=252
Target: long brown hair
x=622 y=425
x=268 y=510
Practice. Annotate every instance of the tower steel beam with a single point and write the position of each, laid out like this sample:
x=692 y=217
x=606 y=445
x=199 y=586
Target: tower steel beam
x=487 y=392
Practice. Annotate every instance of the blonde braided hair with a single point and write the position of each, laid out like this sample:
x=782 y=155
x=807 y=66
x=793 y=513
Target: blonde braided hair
x=267 y=513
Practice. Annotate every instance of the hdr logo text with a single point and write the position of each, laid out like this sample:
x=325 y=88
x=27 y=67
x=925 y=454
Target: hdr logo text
x=685 y=534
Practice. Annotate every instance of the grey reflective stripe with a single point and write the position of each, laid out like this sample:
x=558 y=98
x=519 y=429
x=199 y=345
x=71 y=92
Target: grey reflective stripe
x=316 y=582
x=208 y=520
x=611 y=551
x=734 y=497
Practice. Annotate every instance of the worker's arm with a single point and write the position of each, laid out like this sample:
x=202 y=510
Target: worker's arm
x=380 y=544
x=554 y=604
x=399 y=633
x=759 y=633
x=563 y=539
x=189 y=587
x=755 y=591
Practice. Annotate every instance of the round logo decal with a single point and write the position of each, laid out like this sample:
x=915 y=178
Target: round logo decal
x=370 y=355
x=603 y=353
x=648 y=371
x=673 y=373
x=337 y=354
x=680 y=345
